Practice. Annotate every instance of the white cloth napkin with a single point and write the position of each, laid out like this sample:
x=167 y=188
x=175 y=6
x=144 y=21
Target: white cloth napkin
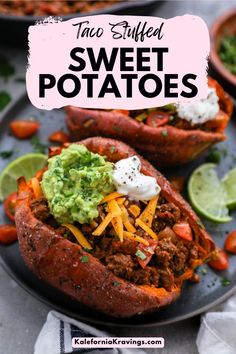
x=217 y=334
x=58 y=330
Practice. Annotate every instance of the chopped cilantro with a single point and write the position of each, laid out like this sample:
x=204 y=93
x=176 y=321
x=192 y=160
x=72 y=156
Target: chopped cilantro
x=140 y=255
x=116 y=283
x=164 y=133
x=5 y=98
x=224 y=151
x=141 y=117
x=169 y=107
x=204 y=271
x=87 y=249
x=6 y=69
x=37 y=145
x=66 y=234
x=112 y=149
x=6 y=154
x=214 y=156
x=84 y=259
x=117 y=129
x=225 y=282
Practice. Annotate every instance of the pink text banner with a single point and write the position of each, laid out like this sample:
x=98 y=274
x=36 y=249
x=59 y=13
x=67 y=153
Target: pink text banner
x=118 y=62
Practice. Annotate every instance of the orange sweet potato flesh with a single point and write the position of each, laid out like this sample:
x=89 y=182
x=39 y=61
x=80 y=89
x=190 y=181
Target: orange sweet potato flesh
x=176 y=146
x=58 y=261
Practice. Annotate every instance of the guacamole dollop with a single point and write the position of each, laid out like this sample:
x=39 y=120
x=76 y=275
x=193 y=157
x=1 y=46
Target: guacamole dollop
x=75 y=183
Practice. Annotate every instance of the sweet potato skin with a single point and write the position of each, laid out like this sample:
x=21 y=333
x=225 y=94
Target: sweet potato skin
x=165 y=145
x=59 y=261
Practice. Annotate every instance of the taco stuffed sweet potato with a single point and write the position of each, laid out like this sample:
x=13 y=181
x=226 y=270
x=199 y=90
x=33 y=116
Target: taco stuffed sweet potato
x=121 y=253
x=169 y=135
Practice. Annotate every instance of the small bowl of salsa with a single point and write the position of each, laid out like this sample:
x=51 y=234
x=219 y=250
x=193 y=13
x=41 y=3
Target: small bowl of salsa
x=223 y=50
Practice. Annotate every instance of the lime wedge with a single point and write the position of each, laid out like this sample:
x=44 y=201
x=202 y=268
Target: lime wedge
x=207 y=194
x=229 y=182
x=26 y=165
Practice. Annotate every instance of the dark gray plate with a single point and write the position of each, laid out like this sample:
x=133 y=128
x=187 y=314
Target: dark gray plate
x=195 y=298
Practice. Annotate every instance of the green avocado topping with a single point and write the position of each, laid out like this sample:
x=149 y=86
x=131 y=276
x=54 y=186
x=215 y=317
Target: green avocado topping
x=75 y=182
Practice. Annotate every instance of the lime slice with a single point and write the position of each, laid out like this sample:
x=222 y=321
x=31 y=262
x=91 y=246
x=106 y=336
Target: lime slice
x=207 y=194
x=229 y=182
x=26 y=166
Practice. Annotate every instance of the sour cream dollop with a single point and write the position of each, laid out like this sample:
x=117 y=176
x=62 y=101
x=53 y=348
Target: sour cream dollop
x=130 y=181
x=201 y=111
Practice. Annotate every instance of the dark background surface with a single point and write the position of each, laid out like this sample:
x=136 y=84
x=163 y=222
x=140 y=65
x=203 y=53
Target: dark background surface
x=21 y=316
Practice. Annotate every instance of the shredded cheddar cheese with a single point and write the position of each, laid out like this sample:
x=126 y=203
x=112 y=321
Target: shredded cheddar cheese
x=125 y=218
x=109 y=197
x=118 y=216
x=133 y=237
x=94 y=224
x=105 y=222
x=135 y=210
x=129 y=227
x=118 y=227
x=146 y=228
x=120 y=201
x=36 y=187
x=114 y=207
x=78 y=235
x=148 y=214
x=124 y=214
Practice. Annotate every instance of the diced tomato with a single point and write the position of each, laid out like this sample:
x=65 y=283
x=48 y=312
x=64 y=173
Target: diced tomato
x=230 y=242
x=59 y=137
x=183 y=230
x=148 y=251
x=158 y=118
x=122 y=111
x=178 y=183
x=23 y=129
x=9 y=206
x=219 y=260
x=7 y=234
x=54 y=150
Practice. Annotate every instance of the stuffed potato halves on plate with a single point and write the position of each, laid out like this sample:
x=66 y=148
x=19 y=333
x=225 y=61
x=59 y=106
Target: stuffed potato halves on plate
x=169 y=135
x=106 y=228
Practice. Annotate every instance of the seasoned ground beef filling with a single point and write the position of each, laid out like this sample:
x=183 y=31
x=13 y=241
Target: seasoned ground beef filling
x=40 y=209
x=170 y=117
x=167 y=214
x=121 y=265
x=171 y=259
x=172 y=256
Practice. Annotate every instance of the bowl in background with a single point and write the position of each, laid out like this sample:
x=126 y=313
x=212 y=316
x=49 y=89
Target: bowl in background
x=14 y=29
x=224 y=25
